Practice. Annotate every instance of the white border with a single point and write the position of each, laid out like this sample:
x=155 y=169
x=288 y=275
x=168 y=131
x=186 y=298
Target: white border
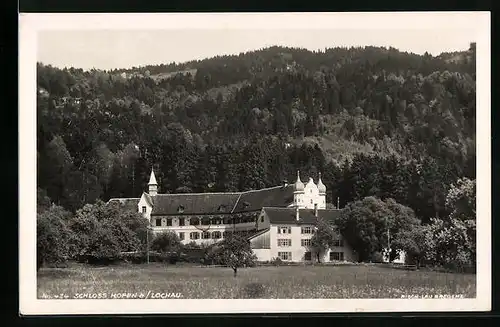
x=31 y=23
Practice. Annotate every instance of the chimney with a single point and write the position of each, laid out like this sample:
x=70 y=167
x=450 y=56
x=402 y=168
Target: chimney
x=297 y=213
x=285 y=183
x=316 y=210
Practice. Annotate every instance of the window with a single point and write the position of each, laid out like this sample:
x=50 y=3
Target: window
x=181 y=236
x=169 y=221
x=194 y=221
x=284 y=230
x=336 y=256
x=307 y=256
x=144 y=209
x=181 y=222
x=194 y=235
x=306 y=230
x=158 y=222
x=180 y=209
x=262 y=219
x=205 y=221
x=216 y=235
x=305 y=242
x=311 y=201
x=206 y=235
x=285 y=255
x=339 y=243
x=284 y=242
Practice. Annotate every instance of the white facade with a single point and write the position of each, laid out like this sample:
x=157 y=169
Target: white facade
x=290 y=243
x=310 y=195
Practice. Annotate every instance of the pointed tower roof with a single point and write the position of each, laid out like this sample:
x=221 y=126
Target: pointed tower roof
x=299 y=186
x=152 y=179
x=321 y=186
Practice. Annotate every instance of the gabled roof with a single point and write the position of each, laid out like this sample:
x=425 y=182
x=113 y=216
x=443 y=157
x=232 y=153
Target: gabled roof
x=306 y=216
x=214 y=203
x=193 y=203
x=258 y=233
x=148 y=198
x=278 y=196
x=126 y=203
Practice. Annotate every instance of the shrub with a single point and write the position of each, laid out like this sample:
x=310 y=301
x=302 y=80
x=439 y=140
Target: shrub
x=53 y=235
x=377 y=257
x=166 y=242
x=276 y=261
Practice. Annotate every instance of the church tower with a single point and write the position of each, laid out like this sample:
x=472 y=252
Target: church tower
x=322 y=194
x=153 y=185
x=298 y=192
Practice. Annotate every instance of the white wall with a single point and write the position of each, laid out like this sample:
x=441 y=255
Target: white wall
x=187 y=229
x=263 y=221
x=298 y=251
x=144 y=202
x=262 y=254
x=310 y=197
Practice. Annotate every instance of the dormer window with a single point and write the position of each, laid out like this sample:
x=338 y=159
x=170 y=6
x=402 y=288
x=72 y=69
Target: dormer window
x=180 y=209
x=143 y=209
x=222 y=208
x=246 y=205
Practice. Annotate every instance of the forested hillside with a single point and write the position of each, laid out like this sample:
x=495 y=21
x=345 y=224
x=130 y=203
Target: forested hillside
x=374 y=121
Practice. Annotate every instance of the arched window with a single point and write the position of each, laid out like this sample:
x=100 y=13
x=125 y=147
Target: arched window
x=216 y=235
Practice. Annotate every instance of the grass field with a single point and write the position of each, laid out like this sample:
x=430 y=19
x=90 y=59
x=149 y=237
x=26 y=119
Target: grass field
x=358 y=281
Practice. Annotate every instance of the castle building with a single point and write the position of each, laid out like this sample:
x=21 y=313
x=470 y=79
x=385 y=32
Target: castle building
x=278 y=221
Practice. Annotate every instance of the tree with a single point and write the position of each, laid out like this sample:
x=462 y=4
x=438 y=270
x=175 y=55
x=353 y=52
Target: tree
x=415 y=243
x=323 y=238
x=43 y=202
x=166 y=242
x=366 y=224
x=451 y=245
x=461 y=199
x=100 y=232
x=54 y=165
x=53 y=235
x=236 y=252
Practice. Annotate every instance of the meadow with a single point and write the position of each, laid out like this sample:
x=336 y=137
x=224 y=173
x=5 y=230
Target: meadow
x=306 y=282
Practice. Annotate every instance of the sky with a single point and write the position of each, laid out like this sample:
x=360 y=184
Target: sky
x=108 y=49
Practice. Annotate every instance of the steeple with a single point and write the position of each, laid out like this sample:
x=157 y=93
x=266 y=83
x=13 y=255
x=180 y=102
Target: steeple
x=321 y=186
x=299 y=186
x=153 y=185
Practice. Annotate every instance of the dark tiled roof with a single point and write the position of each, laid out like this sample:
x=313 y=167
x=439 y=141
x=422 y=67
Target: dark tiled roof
x=278 y=196
x=211 y=203
x=306 y=216
x=258 y=233
x=126 y=203
x=148 y=198
x=189 y=203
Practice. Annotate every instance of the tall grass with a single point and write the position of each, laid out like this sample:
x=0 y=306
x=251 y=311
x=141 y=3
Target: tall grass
x=260 y=282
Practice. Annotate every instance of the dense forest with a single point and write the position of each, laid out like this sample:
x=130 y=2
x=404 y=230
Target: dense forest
x=375 y=121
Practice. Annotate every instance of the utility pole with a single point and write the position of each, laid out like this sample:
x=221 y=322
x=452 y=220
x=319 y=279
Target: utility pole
x=147 y=244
